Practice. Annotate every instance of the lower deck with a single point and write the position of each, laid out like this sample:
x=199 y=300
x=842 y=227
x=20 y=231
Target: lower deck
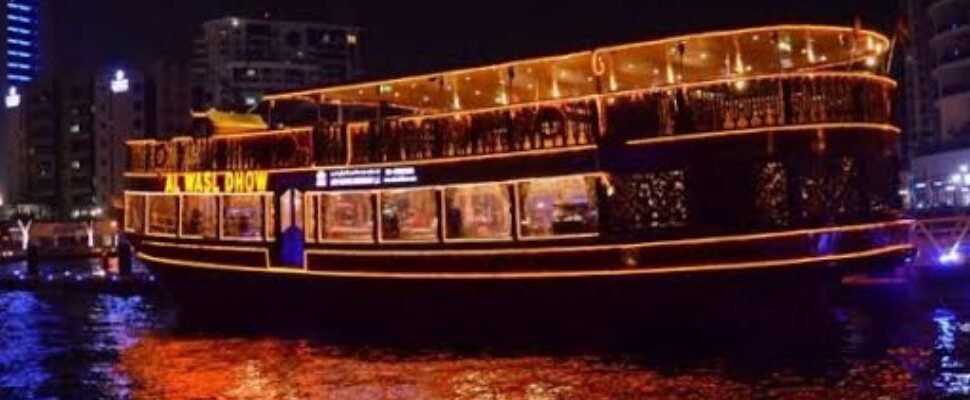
x=784 y=250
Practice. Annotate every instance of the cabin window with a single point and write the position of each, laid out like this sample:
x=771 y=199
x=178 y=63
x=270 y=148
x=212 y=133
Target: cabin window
x=242 y=217
x=310 y=207
x=135 y=213
x=478 y=213
x=410 y=216
x=347 y=217
x=163 y=215
x=200 y=216
x=558 y=207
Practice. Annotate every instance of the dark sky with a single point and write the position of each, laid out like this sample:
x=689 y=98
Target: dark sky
x=421 y=35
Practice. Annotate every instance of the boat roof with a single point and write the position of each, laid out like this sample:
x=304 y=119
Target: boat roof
x=680 y=60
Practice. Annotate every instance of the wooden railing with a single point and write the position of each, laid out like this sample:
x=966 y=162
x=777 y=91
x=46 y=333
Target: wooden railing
x=642 y=114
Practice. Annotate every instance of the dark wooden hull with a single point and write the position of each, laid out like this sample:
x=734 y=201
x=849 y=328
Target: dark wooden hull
x=362 y=299
x=608 y=311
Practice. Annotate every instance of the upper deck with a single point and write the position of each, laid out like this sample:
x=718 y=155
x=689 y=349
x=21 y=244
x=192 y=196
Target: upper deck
x=730 y=81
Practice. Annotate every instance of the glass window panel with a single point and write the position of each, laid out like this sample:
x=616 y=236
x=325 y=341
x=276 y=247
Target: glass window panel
x=310 y=217
x=478 y=212
x=556 y=207
x=163 y=215
x=200 y=216
x=135 y=213
x=347 y=217
x=409 y=216
x=286 y=210
x=270 y=211
x=242 y=217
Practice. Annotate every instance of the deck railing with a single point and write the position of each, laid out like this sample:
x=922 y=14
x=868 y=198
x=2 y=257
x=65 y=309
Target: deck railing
x=641 y=114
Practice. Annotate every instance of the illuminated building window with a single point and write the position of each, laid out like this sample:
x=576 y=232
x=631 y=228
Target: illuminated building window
x=163 y=215
x=347 y=217
x=555 y=207
x=135 y=213
x=409 y=216
x=478 y=213
x=242 y=216
x=200 y=216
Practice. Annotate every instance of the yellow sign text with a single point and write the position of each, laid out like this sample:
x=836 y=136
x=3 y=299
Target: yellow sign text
x=217 y=182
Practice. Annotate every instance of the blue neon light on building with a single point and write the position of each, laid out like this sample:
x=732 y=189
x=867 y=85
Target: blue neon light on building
x=22 y=40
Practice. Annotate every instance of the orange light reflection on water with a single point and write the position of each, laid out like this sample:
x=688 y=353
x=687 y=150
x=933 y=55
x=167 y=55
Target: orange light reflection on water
x=175 y=368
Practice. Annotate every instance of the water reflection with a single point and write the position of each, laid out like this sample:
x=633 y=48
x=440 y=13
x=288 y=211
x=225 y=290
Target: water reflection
x=57 y=346
x=23 y=319
x=896 y=345
x=270 y=369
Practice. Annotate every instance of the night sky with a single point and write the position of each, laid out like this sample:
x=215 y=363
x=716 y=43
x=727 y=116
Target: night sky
x=423 y=35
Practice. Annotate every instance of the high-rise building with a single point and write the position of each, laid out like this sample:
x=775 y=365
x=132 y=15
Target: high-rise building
x=72 y=129
x=120 y=115
x=951 y=47
x=168 y=100
x=21 y=31
x=56 y=121
x=238 y=60
x=921 y=117
x=938 y=102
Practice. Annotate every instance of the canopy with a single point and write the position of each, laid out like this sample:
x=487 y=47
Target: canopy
x=676 y=61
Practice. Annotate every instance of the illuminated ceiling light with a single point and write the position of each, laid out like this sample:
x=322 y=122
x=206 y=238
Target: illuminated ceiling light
x=871 y=62
x=12 y=100
x=120 y=83
x=234 y=22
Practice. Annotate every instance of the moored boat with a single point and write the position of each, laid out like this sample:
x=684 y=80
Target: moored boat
x=739 y=155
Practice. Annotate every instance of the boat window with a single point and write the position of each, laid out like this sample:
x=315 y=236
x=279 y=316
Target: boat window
x=310 y=216
x=242 y=216
x=478 y=213
x=649 y=202
x=163 y=215
x=200 y=215
x=270 y=211
x=347 y=217
x=409 y=216
x=558 y=207
x=135 y=213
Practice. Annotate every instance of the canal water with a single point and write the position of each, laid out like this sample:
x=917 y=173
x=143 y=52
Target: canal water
x=890 y=342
